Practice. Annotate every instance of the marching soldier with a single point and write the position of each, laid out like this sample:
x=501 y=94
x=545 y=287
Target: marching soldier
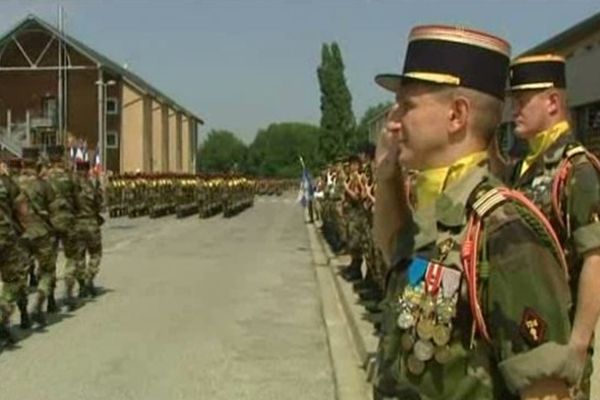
x=477 y=300
x=26 y=263
x=563 y=179
x=38 y=231
x=89 y=222
x=63 y=211
x=13 y=263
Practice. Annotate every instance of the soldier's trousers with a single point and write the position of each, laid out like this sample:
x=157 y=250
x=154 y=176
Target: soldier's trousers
x=13 y=273
x=69 y=240
x=43 y=250
x=355 y=231
x=90 y=244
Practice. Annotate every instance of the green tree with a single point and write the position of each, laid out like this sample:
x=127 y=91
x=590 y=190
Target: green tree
x=222 y=151
x=276 y=150
x=338 y=124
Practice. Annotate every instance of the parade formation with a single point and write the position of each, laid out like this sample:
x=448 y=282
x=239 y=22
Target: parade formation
x=50 y=202
x=478 y=268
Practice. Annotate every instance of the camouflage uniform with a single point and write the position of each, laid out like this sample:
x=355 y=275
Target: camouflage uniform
x=355 y=227
x=89 y=220
x=581 y=199
x=39 y=236
x=63 y=211
x=477 y=299
x=13 y=260
x=560 y=177
x=513 y=252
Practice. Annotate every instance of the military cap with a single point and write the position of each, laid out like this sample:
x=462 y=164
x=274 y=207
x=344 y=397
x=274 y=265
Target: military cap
x=453 y=56
x=56 y=153
x=538 y=72
x=81 y=165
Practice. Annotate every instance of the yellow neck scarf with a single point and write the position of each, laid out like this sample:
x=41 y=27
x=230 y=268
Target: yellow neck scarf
x=542 y=142
x=431 y=182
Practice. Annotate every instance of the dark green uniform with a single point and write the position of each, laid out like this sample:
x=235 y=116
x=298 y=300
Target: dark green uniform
x=63 y=210
x=13 y=263
x=527 y=317
x=89 y=221
x=38 y=236
x=579 y=230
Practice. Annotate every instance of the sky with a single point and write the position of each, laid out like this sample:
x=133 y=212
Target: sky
x=243 y=64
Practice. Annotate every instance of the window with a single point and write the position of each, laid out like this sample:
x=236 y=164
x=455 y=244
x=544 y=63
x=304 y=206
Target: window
x=112 y=140
x=593 y=117
x=112 y=106
x=49 y=108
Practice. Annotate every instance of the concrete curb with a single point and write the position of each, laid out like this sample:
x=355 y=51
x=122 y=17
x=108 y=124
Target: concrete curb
x=348 y=373
x=363 y=340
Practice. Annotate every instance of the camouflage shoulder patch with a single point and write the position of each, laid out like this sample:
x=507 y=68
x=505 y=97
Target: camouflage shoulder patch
x=533 y=327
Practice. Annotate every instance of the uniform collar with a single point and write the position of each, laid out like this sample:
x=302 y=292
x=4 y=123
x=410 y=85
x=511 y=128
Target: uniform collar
x=542 y=142
x=448 y=210
x=432 y=182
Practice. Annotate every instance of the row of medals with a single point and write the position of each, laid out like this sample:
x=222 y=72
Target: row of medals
x=426 y=321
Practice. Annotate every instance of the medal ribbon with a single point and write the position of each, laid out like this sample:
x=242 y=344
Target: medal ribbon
x=416 y=271
x=433 y=278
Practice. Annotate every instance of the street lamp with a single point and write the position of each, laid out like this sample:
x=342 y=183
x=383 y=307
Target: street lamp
x=104 y=117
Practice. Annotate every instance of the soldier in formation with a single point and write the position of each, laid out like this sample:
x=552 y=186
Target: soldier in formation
x=44 y=204
x=563 y=179
x=88 y=228
x=484 y=268
x=161 y=194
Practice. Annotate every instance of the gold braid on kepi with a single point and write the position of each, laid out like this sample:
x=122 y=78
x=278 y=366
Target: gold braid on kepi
x=538 y=72
x=453 y=56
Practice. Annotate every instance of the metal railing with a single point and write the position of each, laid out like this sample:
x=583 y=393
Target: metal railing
x=15 y=141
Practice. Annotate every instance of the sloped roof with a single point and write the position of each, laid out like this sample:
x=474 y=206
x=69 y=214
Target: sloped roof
x=100 y=59
x=576 y=32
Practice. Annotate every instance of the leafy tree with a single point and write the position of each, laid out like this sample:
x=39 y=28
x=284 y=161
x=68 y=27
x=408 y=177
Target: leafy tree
x=222 y=151
x=276 y=150
x=337 y=119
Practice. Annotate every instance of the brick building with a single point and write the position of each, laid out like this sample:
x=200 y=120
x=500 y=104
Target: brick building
x=77 y=95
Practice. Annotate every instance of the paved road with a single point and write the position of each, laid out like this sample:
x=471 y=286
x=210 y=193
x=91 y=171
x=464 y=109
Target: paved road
x=213 y=309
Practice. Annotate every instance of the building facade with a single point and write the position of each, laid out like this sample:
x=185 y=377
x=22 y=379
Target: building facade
x=54 y=89
x=580 y=45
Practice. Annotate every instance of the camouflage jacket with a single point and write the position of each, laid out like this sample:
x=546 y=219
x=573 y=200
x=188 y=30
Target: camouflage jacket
x=39 y=196
x=522 y=291
x=63 y=207
x=580 y=197
x=10 y=228
x=88 y=200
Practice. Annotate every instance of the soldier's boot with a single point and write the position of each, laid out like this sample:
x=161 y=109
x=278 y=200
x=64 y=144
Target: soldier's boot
x=352 y=272
x=70 y=301
x=25 y=322
x=91 y=288
x=6 y=335
x=38 y=316
x=83 y=289
x=52 y=307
